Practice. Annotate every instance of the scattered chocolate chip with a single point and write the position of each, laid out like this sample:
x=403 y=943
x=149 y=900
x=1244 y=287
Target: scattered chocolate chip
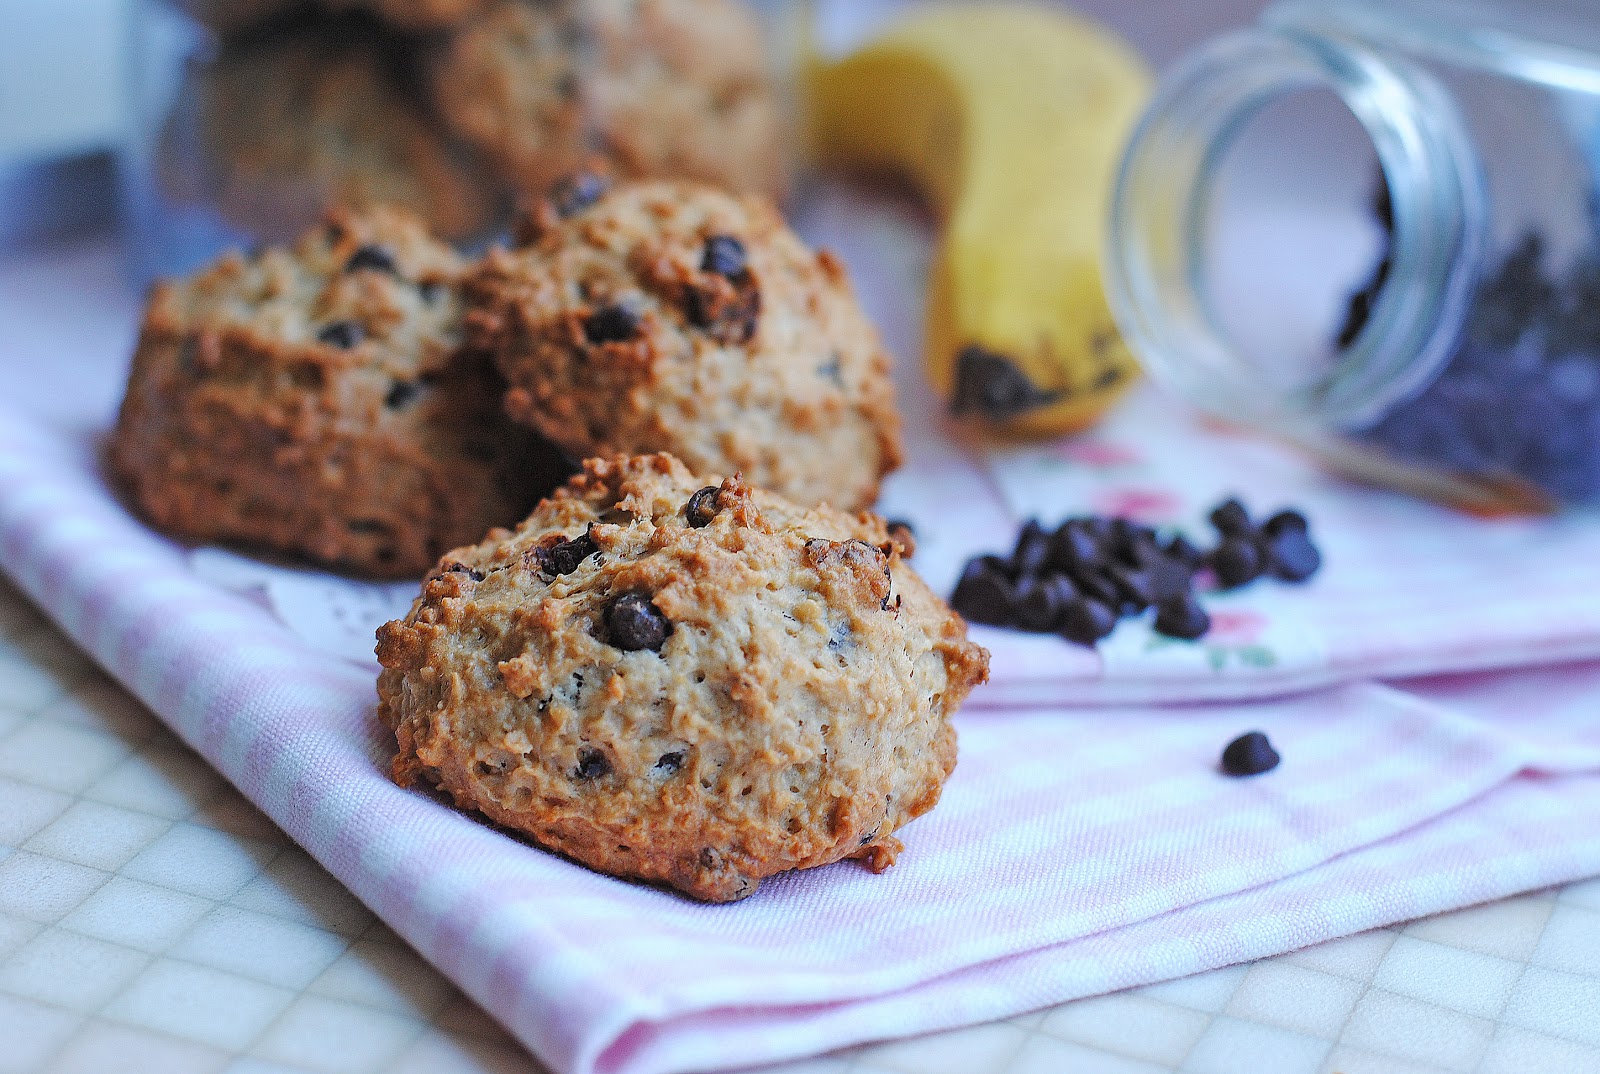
x=1235 y=562
x=670 y=762
x=1033 y=549
x=1249 y=755
x=402 y=393
x=342 y=334
x=1291 y=557
x=1086 y=621
x=1179 y=549
x=724 y=255
x=616 y=322
x=1097 y=583
x=1134 y=587
x=1039 y=603
x=592 y=764
x=564 y=558
x=1232 y=520
x=984 y=595
x=995 y=388
x=1075 y=546
x=1181 y=616
x=577 y=192
x=1169 y=577
x=373 y=257
x=702 y=507
x=1285 y=520
x=634 y=623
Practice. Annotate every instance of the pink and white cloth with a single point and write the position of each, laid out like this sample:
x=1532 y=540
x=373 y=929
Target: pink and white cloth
x=1085 y=843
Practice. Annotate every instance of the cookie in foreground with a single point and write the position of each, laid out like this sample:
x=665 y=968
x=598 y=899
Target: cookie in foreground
x=318 y=402
x=682 y=680
x=659 y=316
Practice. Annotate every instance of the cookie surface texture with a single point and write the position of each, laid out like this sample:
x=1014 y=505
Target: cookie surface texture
x=669 y=316
x=699 y=694
x=317 y=401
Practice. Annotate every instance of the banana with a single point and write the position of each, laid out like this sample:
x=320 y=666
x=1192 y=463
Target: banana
x=1011 y=118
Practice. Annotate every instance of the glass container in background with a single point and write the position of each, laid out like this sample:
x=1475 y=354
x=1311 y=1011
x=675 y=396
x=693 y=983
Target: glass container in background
x=1443 y=333
x=253 y=116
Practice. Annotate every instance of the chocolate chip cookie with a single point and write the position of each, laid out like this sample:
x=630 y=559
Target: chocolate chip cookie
x=668 y=316
x=318 y=401
x=660 y=88
x=682 y=680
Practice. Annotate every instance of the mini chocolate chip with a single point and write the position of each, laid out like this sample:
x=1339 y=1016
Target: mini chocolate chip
x=577 y=192
x=1285 y=520
x=592 y=764
x=1235 y=562
x=634 y=623
x=702 y=507
x=564 y=558
x=1039 y=604
x=342 y=334
x=1033 y=548
x=1135 y=587
x=670 y=761
x=994 y=387
x=1249 y=755
x=1182 y=617
x=984 y=594
x=1291 y=557
x=616 y=322
x=402 y=393
x=725 y=255
x=372 y=256
x=1086 y=621
x=1232 y=520
x=1075 y=545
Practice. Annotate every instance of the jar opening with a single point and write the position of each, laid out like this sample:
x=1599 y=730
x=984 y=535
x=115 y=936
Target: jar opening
x=1158 y=272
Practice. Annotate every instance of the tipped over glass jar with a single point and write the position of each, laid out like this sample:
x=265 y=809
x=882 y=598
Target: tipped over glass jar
x=1444 y=335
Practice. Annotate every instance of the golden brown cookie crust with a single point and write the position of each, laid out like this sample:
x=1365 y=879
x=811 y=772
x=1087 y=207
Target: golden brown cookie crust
x=773 y=372
x=243 y=422
x=796 y=714
x=660 y=88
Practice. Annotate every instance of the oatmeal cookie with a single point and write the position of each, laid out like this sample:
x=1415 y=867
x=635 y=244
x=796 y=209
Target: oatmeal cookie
x=660 y=88
x=682 y=680
x=664 y=316
x=318 y=401
x=302 y=121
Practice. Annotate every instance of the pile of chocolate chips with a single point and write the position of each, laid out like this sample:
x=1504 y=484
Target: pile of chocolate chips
x=1080 y=579
x=1520 y=396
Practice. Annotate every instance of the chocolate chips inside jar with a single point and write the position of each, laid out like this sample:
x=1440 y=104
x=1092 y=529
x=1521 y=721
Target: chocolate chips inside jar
x=1079 y=579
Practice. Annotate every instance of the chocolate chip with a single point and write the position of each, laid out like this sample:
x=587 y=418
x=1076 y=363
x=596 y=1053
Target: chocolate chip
x=984 y=594
x=994 y=387
x=904 y=535
x=702 y=507
x=430 y=290
x=461 y=568
x=832 y=370
x=1086 y=621
x=1232 y=520
x=1075 y=545
x=1249 y=755
x=1285 y=520
x=402 y=393
x=374 y=257
x=1182 y=551
x=730 y=315
x=592 y=764
x=616 y=322
x=724 y=255
x=1096 y=582
x=1182 y=617
x=1134 y=587
x=634 y=623
x=1169 y=577
x=1235 y=562
x=564 y=558
x=577 y=192
x=1033 y=549
x=670 y=762
x=1040 y=603
x=1291 y=557
x=342 y=334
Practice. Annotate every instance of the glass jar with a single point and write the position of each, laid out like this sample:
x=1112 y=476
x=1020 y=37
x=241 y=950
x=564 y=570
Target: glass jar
x=253 y=116
x=1445 y=335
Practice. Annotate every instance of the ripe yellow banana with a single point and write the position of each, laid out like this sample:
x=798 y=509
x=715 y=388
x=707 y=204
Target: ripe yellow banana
x=1011 y=117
